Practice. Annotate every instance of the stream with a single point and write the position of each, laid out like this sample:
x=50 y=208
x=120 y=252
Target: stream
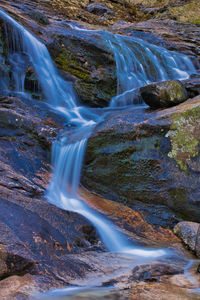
x=137 y=63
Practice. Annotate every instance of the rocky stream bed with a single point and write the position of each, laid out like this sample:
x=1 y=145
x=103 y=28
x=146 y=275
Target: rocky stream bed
x=141 y=167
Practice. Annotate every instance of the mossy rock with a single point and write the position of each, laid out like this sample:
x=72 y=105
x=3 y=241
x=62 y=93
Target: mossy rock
x=99 y=91
x=91 y=67
x=164 y=94
x=148 y=156
x=184 y=135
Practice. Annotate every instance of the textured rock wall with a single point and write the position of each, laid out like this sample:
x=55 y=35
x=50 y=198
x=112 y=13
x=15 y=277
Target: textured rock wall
x=148 y=156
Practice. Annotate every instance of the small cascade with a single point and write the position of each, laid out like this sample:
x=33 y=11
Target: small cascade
x=20 y=43
x=63 y=192
x=137 y=62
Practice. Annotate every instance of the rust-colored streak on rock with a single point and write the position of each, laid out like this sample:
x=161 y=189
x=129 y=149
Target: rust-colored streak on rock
x=128 y=219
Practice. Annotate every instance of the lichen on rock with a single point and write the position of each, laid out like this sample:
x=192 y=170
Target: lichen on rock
x=139 y=154
x=184 y=135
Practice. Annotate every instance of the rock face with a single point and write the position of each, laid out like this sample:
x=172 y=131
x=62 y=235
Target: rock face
x=100 y=12
x=192 y=86
x=34 y=235
x=92 y=66
x=164 y=94
x=189 y=233
x=152 y=157
x=43 y=247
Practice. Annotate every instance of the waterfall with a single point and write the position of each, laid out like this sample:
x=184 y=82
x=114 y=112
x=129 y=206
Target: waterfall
x=21 y=43
x=63 y=192
x=132 y=59
x=139 y=63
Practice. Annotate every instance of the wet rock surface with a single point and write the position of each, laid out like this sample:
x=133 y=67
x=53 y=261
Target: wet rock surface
x=164 y=94
x=87 y=61
x=34 y=235
x=157 y=215
x=140 y=227
x=154 y=157
x=43 y=247
x=83 y=59
x=176 y=35
x=164 y=278
x=39 y=17
x=93 y=70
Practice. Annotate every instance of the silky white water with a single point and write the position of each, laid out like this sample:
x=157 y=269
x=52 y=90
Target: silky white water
x=139 y=63
x=133 y=58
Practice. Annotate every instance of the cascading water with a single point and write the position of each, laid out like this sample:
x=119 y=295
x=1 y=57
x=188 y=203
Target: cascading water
x=139 y=63
x=20 y=44
x=133 y=59
x=63 y=192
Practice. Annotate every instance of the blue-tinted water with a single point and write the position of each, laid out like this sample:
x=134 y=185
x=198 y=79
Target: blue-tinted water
x=137 y=63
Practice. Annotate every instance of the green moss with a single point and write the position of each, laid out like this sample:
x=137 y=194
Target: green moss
x=95 y=93
x=67 y=62
x=189 y=12
x=196 y=21
x=185 y=135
